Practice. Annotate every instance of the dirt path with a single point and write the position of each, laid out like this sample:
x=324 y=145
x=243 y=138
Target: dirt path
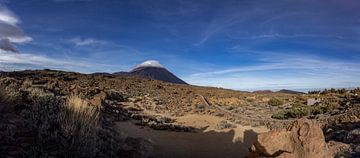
x=207 y=142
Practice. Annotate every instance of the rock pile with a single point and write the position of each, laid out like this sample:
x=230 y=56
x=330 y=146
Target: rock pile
x=224 y=125
x=160 y=123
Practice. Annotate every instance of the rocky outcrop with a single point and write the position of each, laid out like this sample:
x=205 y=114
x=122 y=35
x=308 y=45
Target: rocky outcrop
x=304 y=138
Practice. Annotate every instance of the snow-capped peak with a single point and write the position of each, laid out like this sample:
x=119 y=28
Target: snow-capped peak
x=150 y=63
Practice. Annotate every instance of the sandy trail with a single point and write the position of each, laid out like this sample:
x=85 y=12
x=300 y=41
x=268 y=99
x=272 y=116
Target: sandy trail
x=206 y=142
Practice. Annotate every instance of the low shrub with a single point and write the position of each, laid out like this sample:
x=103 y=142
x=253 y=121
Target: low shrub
x=296 y=111
x=299 y=110
x=64 y=127
x=280 y=115
x=57 y=126
x=275 y=102
x=324 y=107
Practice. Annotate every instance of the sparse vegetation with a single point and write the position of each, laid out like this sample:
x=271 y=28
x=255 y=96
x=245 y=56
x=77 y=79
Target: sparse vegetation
x=299 y=110
x=275 y=102
x=296 y=111
x=324 y=107
x=59 y=126
x=80 y=123
x=69 y=125
x=331 y=90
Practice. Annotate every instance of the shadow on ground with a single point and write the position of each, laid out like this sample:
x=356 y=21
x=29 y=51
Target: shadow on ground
x=211 y=144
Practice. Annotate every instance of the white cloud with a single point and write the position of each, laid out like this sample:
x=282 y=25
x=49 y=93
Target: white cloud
x=9 y=31
x=19 y=61
x=277 y=35
x=150 y=63
x=8 y=17
x=86 y=42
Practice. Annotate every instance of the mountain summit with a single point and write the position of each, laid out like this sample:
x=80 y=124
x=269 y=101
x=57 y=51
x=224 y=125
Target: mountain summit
x=152 y=69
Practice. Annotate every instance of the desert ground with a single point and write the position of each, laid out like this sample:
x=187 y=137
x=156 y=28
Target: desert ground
x=54 y=113
x=206 y=141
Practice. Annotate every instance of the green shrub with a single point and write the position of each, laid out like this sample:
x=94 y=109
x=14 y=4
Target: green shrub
x=299 y=110
x=324 y=107
x=296 y=111
x=280 y=115
x=275 y=102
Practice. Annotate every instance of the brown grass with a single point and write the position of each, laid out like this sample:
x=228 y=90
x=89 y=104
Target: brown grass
x=80 y=123
x=78 y=112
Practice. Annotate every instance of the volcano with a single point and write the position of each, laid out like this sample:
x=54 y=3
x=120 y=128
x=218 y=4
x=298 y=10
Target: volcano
x=152 y=69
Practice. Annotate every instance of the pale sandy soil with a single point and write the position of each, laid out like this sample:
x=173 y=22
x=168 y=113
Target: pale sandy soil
x=206 y=142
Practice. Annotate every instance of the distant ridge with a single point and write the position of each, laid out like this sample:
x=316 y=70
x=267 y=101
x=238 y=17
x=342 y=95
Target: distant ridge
x=286 y=91
x=263 y=91
x=289 y=91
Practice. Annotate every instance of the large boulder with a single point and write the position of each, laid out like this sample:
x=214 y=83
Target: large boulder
x=304 y=138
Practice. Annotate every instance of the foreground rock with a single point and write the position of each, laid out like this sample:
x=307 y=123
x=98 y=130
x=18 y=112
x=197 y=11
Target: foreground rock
x=303 y=139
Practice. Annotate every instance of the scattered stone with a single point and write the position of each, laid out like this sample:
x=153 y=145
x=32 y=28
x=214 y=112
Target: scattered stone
x=220 y=114
x=224 y=125
x=114 y=95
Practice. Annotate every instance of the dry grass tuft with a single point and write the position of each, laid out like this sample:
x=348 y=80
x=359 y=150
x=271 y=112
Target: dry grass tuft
x=79 y=122
x=80 y=109
x=78 y=115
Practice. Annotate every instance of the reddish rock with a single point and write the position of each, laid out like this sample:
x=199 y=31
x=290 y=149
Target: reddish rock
x=303 y=139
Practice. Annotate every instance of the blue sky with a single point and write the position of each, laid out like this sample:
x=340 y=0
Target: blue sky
x=240 y=44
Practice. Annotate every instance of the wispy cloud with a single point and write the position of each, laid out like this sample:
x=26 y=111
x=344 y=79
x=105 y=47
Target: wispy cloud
x=225 y=18
x=72 y=0
x=20 y=61
x=77 y=41
x=278 y=35
x=301 y=19
x=9 y=31
x=281 y=70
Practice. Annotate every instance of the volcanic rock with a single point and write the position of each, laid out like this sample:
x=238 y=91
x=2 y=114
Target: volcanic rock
x=303 y=139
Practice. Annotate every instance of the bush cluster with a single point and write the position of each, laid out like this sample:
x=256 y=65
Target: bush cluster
x=299 y=110
x=275 y=102
x=61 y=126
x=296 y=111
